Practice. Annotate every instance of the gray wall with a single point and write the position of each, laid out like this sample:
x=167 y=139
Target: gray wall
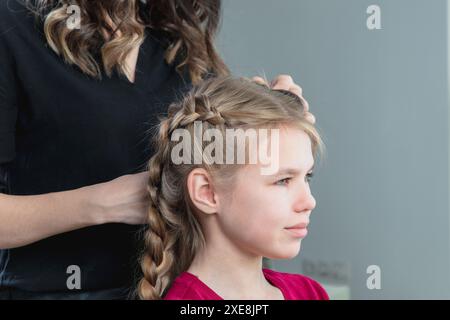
x=381 y=100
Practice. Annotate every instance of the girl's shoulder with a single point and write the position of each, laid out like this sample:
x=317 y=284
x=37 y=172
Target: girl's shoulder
x=296 y=286
x=188 y=286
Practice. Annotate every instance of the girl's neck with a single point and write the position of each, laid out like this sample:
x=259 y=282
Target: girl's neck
x=233 y=274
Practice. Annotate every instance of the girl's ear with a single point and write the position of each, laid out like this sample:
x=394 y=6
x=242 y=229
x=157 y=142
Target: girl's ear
x=201 y=191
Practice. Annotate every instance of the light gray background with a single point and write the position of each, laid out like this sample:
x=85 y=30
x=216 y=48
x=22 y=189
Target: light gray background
x=381 y=100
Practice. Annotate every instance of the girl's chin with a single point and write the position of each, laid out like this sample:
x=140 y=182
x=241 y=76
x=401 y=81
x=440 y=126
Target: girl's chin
x=287 y=254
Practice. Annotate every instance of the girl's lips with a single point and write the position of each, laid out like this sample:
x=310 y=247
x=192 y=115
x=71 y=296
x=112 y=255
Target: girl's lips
x=298 y=232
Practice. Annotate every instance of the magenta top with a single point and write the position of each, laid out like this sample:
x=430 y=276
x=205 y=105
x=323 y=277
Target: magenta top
x=188 y=286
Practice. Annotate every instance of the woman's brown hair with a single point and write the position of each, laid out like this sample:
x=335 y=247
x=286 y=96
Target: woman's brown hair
x=174 y=235
x=189 y=26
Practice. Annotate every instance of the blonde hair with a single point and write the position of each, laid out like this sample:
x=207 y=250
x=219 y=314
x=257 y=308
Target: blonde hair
x=174 y=235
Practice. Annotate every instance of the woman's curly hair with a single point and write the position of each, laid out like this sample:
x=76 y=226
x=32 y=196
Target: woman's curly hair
x=187 y=27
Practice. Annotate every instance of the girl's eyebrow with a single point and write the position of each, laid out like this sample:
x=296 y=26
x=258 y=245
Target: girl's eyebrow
x=292 y=171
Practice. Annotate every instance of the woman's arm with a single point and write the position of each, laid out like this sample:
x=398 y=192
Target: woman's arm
x=27 y=219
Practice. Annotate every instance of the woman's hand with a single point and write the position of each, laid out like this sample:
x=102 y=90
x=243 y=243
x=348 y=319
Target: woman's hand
x=122 y=200
x=285 y=82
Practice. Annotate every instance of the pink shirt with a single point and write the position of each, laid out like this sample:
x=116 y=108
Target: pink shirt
x=188 y=286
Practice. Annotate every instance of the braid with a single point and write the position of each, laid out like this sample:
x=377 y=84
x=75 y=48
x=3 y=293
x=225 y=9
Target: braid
x=195 y=107
x=158 y=258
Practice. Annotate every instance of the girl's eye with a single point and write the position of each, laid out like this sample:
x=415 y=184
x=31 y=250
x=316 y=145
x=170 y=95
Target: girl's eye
x=283 y=182
x=309 y=176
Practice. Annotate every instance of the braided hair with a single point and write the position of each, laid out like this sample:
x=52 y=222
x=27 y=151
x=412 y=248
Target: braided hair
x=174 y=235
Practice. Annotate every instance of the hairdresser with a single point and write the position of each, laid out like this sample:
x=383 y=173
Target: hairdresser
x=77 y=105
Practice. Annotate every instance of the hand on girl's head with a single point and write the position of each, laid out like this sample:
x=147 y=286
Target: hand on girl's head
x=285 y=82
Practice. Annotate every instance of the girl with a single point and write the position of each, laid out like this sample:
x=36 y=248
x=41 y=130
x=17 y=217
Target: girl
x=211 y=223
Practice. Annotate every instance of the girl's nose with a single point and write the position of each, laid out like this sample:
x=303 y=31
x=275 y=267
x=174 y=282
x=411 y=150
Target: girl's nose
x=304 y=200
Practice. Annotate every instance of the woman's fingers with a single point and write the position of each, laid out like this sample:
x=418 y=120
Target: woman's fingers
x=310 y=117
x=285 y=82
x=260 y=80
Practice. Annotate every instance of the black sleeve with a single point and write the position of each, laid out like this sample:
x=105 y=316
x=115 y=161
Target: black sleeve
x=8 y=99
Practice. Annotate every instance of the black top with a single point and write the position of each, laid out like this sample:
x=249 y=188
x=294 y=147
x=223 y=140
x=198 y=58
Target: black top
x=61 y=130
